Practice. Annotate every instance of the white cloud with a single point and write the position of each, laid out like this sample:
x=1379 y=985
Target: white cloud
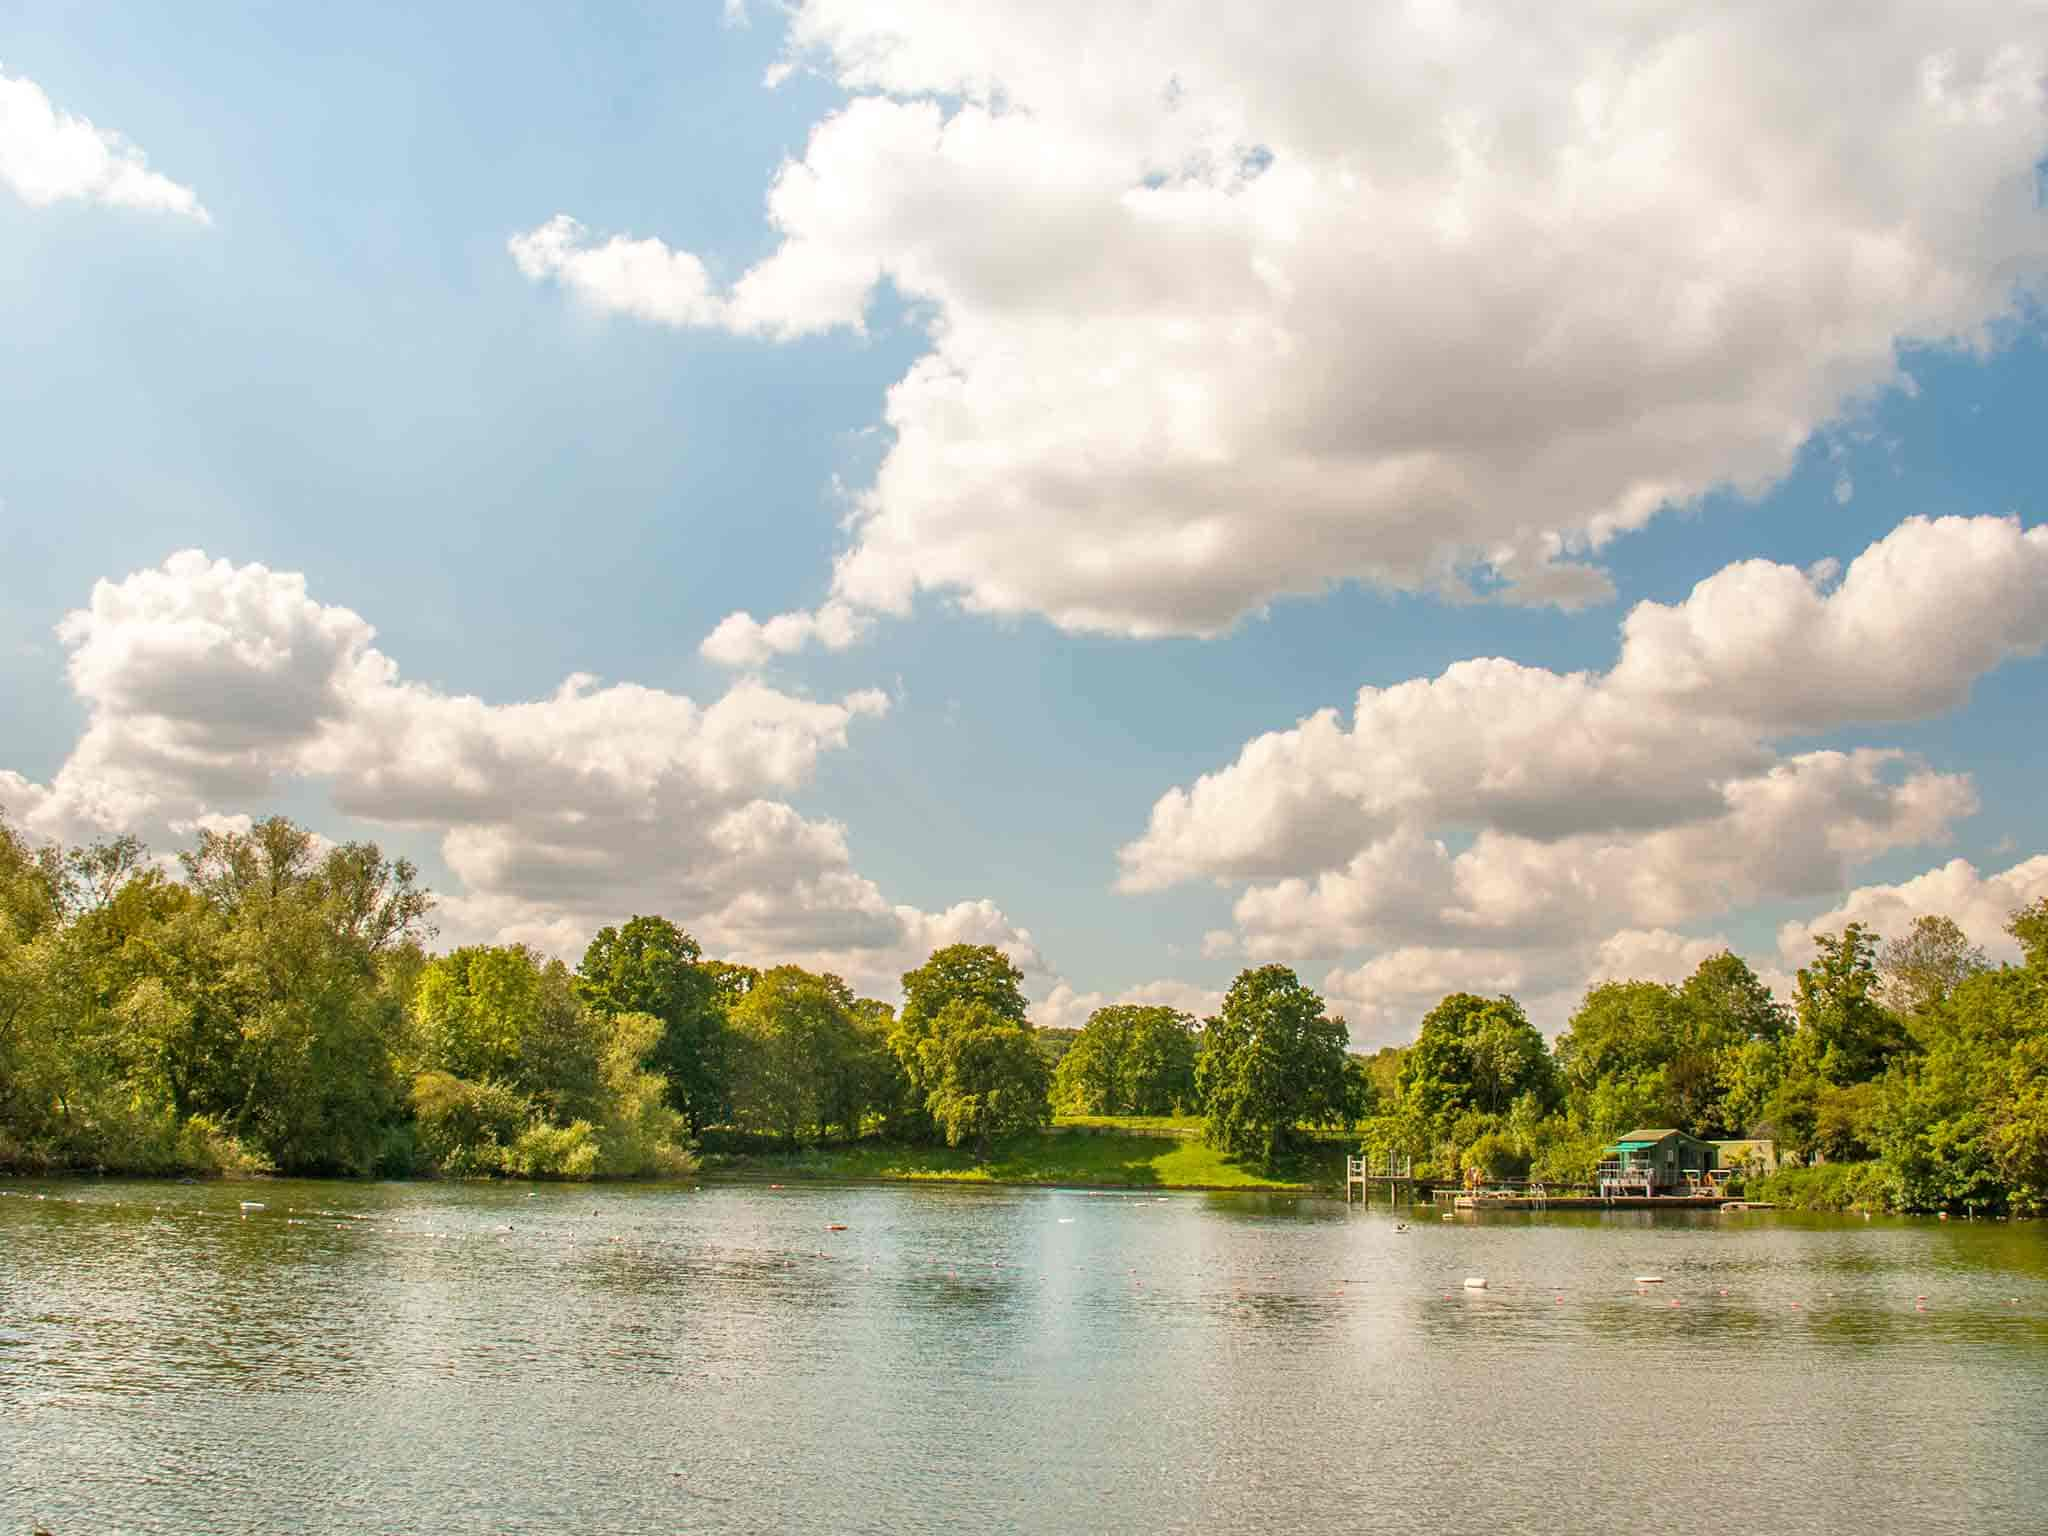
x=1678 y=726
x=1526 y=829
x=49 y=156
x=1222 y=311
x=1979 y=904
x=211 y=687
x=1916 y=618
x=742 y=641
x=641 y=278
x=1064 y=1008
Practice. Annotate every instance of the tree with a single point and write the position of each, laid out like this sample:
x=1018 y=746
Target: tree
x=1270 y=1060
x=959 y=974
x=1475 y=1053
x=1844 y=1033
x=1053 y=1044
x=1922 y=968
x=2029 y=928
x=1964 y=1121
x=651 y=966
x=963 y=973
x=1129 y=1060
x=1728 y=1003
x=988 y=1077
x=794 y=1047
x=871 y=1080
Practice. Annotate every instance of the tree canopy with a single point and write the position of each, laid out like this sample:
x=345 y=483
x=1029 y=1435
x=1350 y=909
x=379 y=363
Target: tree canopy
x=1270 y=1060
x=1129 y=1059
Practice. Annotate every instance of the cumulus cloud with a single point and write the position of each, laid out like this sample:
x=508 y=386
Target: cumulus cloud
x=742 y=641
x=1221 y=311
x=1676 y=733
x=211 y=687
x=49 y=156
x=1529 y=829
x=1979 y=904
x=641 y=278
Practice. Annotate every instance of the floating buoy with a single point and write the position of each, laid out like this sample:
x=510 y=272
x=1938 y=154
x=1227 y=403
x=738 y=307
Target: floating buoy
x=1475 y=1282
x=1674 y=1301
x=835 y=1226
x=1724 y=1290
x=1560 y=1301
x=1649 y=1279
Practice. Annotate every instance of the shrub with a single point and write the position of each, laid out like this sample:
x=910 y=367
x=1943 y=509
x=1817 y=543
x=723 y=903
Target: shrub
x=554 y=1152
x=1828 y=1187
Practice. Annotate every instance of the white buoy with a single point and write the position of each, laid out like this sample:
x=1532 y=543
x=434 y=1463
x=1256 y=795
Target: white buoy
x=1475 y=1282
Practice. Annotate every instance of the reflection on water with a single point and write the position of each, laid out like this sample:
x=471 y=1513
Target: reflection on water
x=485 y=1358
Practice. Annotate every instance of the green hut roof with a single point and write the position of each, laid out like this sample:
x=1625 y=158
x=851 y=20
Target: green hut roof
x=1646 y=1137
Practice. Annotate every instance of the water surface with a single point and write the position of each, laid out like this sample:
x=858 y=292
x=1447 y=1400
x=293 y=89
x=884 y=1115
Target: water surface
x=449 y=1358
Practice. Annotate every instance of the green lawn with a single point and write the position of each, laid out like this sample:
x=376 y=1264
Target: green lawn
x=1097 y=1161
x=1189 y=1125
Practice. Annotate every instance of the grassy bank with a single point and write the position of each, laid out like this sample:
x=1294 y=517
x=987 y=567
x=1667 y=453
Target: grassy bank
x=1102 y=1160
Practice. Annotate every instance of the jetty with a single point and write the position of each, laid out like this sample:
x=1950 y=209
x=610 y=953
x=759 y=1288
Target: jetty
x=1541 y=1200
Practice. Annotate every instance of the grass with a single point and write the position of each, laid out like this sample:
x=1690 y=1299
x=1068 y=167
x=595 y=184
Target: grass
x=1102 y=1161
x=1179 y=1125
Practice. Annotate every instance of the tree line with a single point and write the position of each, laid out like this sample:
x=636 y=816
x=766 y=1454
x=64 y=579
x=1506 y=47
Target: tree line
x=1915 y=1063
x=273 y=1004
x=269 y=1002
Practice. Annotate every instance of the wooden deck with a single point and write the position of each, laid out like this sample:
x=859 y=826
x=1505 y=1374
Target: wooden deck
x=1589 y=1203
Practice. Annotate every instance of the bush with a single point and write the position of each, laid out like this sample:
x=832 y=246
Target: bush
x=553 y=1152
x=464 y=1128
x=1828 y=1187
x=1496 y=1156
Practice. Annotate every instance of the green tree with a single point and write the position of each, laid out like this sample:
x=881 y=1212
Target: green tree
x=963 y=973
x=1964 y=1121
x=1729 y=1003
x=794 y=1047
x=1921 y=969
x=651 y=966
x=1129 y=1059
x=1053 y=1044
x=871 y=1080
x=1272 y=1059
x=988 y=1078
x=959 y=974
x=2029 y=928
x=1845 y=1034
x=1475 y=1053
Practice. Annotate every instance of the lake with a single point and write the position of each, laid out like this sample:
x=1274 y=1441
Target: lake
x=625 y=1359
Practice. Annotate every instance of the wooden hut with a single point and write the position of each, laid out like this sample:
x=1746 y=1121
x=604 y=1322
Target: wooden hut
x=1656 y=1162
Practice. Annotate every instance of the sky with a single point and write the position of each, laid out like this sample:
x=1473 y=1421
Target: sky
x=1442 y=496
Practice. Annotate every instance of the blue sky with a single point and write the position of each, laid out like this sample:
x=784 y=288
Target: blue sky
x=516 y=476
